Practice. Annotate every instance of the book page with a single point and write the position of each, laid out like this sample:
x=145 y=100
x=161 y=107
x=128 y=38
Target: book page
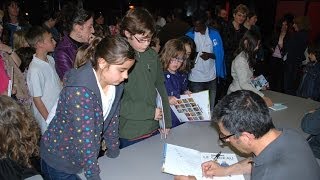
x=181 y=161
x=186 y=161
x=193 y=108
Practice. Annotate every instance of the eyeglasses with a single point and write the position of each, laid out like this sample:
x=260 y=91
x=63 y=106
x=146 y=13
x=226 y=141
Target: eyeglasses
x=223 y=137
x=176 y=59
x=142 y=40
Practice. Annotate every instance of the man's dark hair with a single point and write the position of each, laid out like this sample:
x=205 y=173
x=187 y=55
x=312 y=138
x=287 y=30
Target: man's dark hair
x=178 y=13
x=243 y=111
x=199 y=16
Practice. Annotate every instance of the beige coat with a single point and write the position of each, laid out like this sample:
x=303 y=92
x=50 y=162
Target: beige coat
x=19 y=81
x=242 y=75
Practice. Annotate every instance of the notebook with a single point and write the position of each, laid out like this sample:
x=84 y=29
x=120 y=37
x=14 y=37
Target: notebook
x=278 y=107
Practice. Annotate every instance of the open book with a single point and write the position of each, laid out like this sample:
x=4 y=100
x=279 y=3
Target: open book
x=193 y=108
x=185 y=161
x=259 y=82
x=162 y=123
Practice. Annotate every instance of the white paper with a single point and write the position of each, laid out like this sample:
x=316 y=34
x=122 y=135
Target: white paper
x=181 y=161
x=9 y=88
x=10 y=83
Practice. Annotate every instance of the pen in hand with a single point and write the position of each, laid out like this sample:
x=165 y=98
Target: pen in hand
x=209 y=166
x=217 y=156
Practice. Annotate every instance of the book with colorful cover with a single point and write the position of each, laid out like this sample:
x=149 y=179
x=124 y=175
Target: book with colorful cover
x=195 y=107
x=259 y=82
x=180 y=160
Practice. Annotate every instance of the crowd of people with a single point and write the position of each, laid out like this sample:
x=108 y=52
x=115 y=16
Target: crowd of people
x=74 y=88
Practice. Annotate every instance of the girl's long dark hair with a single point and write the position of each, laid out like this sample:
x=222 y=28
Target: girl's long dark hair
x=248 y=44
x=114 y=50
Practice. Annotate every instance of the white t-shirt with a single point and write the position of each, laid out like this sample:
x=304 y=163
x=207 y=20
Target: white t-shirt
x=43 y=81
x=203 y=71
x=107 y=99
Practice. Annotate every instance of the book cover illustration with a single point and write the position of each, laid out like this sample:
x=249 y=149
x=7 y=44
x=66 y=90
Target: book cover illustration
x=259 y=82
x=195 y=107
x=186 y=161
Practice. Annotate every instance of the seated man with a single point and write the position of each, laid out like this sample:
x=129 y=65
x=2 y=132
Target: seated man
x=278 y=154
x=311 y=124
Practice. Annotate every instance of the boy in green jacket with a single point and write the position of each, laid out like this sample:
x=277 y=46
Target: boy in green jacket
x=139 y=116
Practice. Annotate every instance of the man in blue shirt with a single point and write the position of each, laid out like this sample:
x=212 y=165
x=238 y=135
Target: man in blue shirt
x=209 y=62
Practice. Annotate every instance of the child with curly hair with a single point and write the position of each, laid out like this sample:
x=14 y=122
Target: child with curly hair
x=19 y=135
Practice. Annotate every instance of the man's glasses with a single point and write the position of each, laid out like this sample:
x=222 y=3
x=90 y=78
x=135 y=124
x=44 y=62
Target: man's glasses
x=142 y=40
x=223 y=138
x=176 y=59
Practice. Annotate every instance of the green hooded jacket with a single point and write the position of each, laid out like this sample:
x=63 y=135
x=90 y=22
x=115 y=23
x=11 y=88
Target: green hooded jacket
x=138 y=103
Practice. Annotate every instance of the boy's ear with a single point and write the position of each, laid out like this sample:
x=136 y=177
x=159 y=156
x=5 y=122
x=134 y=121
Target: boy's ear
x=38 y=44
x=127 y=34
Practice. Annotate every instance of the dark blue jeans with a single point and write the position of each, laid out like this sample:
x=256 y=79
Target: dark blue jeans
x=201 y=86
x=50 y=173
x=127 y=142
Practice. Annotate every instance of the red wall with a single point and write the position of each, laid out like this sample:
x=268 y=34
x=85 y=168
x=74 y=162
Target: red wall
x=294 y=7
x=297 y=8
x=314 y=16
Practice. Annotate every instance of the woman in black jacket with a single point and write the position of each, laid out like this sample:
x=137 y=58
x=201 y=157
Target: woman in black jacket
x=278 y=51
x=296 y=46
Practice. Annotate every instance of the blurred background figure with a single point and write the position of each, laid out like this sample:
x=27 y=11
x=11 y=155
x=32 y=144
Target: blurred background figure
x=13 y=21
x=49 y=21
x=99 y=26
x=296 y=46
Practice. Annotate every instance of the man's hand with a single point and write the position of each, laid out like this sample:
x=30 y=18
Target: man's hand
x=268 y=101
x=211 y=168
